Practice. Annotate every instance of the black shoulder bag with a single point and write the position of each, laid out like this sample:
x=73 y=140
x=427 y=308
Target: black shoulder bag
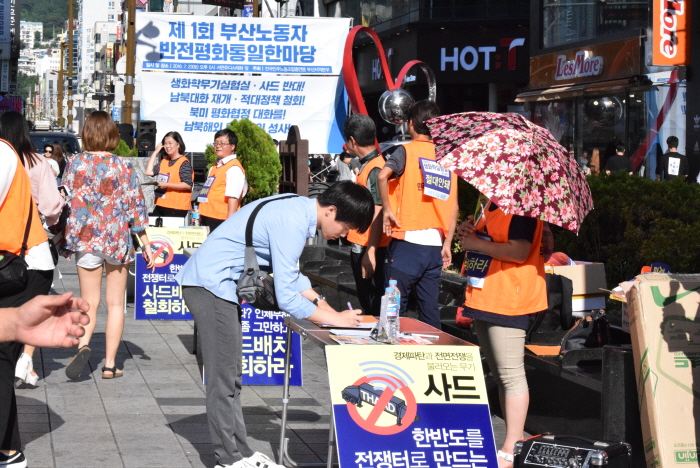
x=254 y=285
x=13 y=268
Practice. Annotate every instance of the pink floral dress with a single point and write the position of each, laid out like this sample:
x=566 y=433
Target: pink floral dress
x=106 y=205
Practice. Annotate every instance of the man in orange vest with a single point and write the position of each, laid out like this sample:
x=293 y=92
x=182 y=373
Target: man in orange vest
x=419 y=200
x=226 y=184
x=359 y=132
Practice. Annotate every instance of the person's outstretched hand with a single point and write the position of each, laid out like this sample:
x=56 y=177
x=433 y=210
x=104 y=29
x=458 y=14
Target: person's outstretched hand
x=49 y=321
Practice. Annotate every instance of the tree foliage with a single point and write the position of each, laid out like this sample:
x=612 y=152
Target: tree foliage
x=25 y=83
x=636 y=222
x=50 y=12
x=259 y=158
x=123 y=149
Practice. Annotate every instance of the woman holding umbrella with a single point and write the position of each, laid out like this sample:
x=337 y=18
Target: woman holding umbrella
x=526 y=178
x=500 y=298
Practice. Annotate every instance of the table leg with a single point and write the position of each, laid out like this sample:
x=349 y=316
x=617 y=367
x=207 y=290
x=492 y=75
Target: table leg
x=283 y=455
x=331 y=441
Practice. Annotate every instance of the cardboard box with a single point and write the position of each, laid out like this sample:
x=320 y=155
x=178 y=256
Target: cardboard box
x=587 y=278
x=662 y=310
x=588 y=302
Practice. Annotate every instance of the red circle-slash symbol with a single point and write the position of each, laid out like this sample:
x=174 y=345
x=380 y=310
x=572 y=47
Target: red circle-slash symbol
x=162 y=249
x=370 y=422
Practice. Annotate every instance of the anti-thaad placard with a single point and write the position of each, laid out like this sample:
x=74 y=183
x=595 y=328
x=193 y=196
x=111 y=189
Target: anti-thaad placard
x=198 y=105
x=157 y=294
x=408 y=406
x=309 y=46
x=264 y=337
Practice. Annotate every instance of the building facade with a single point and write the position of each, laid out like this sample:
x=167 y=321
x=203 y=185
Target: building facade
x=28 y=30
x=478 y=51
x=593 y=82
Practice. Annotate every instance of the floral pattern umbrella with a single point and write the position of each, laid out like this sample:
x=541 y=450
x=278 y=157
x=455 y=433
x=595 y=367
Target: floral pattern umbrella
x=518 y=165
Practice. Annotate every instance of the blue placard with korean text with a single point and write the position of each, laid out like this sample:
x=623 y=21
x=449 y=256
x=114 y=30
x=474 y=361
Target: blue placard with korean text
x=410 y=406
x=157 y=295
x=264 y=346
x=228 y=44
x=437 y=180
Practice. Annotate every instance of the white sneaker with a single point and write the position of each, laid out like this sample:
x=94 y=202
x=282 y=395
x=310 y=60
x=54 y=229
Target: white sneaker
x=260 y=460
x=24 y=371
x=239 y=464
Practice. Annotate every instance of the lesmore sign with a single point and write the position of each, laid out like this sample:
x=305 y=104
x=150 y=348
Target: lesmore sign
x=670 y=32
x=581 y=65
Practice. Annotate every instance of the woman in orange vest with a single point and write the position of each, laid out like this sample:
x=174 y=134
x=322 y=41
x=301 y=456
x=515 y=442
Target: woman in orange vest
x=175 y=179
x=22 y=235
x=226 y=184
x=506 y=283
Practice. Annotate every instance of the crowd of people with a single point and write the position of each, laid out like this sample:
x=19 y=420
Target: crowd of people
x=669 y=165
x=397 y=231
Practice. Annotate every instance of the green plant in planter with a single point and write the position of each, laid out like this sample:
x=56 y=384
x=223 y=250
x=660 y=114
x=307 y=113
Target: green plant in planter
x=123 y=149
x=635 y=222
x=259 y=157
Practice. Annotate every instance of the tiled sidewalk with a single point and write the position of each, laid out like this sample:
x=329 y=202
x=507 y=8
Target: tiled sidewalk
x=155 y=415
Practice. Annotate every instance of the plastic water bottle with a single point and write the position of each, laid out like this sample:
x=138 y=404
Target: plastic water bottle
x=195 y=216
x=395 y=291
x=390 y=309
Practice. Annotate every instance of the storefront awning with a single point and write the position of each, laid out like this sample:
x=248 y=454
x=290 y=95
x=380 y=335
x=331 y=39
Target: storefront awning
x=616 y=86
x=564 y=92
x=551 y=94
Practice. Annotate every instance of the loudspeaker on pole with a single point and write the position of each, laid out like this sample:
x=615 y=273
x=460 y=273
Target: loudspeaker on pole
x=146 y=135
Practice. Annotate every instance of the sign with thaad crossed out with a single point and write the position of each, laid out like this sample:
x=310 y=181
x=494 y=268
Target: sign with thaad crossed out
x=410 y=406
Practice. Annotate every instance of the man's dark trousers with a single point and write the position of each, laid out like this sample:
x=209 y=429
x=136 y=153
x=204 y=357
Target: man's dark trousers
x=418 y=267
x=369 y=290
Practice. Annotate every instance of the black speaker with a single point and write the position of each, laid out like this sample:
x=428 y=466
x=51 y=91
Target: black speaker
x=126 y=133
x=146 y=135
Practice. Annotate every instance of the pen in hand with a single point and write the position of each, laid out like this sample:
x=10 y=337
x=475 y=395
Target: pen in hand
x=349 y=306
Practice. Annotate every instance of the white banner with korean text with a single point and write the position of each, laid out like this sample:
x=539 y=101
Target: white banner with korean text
x=198 y=105
x=309 y=46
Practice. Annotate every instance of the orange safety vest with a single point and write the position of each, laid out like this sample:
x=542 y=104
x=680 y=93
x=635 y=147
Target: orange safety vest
x=353 y=235
x=413 y=209
x=216 y=205
x=15 y=210
x=175 y=199
x=510 y=288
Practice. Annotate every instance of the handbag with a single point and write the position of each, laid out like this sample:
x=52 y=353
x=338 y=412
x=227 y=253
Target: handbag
x=255 y=286
x=549 y=326
x=13 y=268
x=592 y=331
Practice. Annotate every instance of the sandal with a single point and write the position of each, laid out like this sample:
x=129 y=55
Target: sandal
x=77 y=364
x=106 y=371
x=507 y=457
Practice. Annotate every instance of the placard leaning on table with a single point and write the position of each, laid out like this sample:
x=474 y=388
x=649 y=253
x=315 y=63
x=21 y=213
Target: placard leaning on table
x=208 y=283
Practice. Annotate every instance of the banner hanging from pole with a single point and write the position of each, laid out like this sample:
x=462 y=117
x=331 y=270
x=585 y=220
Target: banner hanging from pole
x=309 y=46
x=198 y=105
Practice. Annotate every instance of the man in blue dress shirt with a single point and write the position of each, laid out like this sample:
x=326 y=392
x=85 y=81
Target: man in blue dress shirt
x=208 y=283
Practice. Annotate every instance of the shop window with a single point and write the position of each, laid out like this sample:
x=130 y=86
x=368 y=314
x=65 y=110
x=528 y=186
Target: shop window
x=603 y=124
x=566 y=21
x=558 y=118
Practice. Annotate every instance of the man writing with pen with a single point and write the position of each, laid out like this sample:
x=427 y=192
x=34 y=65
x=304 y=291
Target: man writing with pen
x=209 y=278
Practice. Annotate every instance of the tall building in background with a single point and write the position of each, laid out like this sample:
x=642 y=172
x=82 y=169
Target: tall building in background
x=28 y=30
x=89 y=13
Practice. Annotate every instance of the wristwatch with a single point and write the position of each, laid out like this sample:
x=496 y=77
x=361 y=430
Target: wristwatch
x=318 y=299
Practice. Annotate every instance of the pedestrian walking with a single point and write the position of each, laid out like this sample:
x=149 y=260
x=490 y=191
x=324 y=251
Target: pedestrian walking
x=48 y=202
x=23 y=236
x=107 y=205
